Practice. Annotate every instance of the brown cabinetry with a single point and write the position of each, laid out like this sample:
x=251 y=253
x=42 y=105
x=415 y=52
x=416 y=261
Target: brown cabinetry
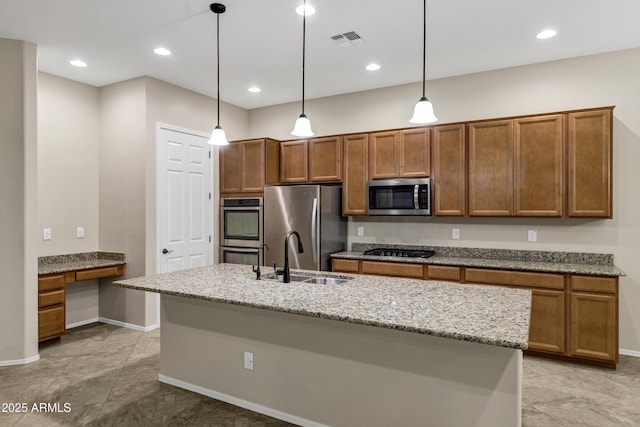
x=400 y=154
x=51 y=306
x=354 y=177
x=589 y=164
x=325 y=159
x=393 y=269
x=594 y=318
x=449 y=171
x=491 y=168
x=294 y=162
x=246 y=166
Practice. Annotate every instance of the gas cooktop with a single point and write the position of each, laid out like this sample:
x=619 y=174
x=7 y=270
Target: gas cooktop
x=407 y=253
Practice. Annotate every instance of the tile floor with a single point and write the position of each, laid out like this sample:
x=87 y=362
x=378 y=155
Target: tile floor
x=109 y=376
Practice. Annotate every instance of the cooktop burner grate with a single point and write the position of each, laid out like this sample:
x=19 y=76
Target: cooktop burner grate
x=406 y=253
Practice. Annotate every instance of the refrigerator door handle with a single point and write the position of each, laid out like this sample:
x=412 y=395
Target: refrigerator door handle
x=314 y=229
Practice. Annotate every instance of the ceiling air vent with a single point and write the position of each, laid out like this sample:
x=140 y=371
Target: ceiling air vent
x=347 y=39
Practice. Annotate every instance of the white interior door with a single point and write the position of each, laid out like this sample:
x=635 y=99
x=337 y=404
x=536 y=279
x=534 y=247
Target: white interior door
x=183 y=199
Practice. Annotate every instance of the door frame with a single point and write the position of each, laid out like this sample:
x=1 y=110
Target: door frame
x=213 y=202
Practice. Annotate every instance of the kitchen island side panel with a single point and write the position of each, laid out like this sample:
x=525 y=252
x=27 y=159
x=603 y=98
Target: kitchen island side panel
x=314 y=371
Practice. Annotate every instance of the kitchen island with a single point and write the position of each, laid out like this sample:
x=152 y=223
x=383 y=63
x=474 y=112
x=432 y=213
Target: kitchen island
x=370 y=351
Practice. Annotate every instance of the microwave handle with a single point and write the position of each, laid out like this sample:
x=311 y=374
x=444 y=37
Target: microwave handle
x=416 y=203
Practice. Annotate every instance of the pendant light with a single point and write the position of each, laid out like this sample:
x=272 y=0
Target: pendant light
x=218 y=137
x=303 y=125
x=423 y=111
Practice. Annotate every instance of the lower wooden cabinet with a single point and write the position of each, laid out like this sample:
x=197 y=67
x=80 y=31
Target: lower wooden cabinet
x=51 y=306
x=573 y=317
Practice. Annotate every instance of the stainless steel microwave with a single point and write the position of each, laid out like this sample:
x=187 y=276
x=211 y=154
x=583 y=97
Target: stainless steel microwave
x=401 y=196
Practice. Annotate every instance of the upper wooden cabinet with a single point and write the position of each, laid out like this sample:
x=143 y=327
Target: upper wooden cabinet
x=400 y=154
x=491 y=168
x=294 y=162
x=449 y=171
x=516 y=167
x=589 y=161
x=325 y=159
x=246 y=166
x=538 y=166
x=354 y=177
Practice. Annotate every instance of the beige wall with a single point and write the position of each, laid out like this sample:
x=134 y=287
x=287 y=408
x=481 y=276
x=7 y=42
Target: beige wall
x=593 y=81
x=18 y=207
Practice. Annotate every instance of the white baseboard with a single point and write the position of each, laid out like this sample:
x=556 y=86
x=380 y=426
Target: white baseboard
x=629 y=352
x=240 y=402
x=82 y=323
x=129 y=325
x=20 y=361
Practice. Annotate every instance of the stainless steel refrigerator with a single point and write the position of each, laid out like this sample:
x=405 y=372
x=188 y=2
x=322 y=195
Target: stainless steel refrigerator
x=315 y=212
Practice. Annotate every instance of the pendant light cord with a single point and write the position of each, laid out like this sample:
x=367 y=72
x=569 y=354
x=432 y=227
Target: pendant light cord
x=218 y=59
x=424 y=50
x=304 y=39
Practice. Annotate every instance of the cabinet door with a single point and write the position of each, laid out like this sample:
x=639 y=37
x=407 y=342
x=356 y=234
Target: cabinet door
x=414 y=151
x=383 y=155
x=538 y=163
x=354 y=181
x=546 y=329
x=491 y=168
x=253 y=166
x=594 y=326
x=589 y=156
x=325 y=159
x=449 y=171
x=51 y=322
x=231 y=168
x=294 y=162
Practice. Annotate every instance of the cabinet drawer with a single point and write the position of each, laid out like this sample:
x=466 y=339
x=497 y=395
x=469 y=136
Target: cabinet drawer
x=516 y=278
x=50 y=322
x=96 y=273
x=440 y=272
x=348 y=265
x=51 y=298
x=594 y=284
x=393 y=269
x=47 y=283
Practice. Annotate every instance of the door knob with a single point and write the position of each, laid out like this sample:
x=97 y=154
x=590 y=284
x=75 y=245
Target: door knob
x=165 y=251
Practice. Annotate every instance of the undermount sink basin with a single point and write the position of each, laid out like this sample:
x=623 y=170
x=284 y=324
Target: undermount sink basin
x=321 y=280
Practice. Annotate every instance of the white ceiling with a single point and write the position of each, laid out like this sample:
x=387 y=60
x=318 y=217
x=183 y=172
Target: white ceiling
x=261 y=40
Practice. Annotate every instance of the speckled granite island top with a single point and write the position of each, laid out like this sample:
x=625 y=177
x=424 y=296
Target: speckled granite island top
x=80 y=261
x=541 y=261
x=483 y=314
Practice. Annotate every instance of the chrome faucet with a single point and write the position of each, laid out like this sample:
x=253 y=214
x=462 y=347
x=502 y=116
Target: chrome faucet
x=286 y=278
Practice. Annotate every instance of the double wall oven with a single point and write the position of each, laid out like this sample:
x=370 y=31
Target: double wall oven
x=241 y=230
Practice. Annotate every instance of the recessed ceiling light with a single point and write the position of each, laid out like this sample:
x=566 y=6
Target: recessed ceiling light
x=372 y=67
x=310 y=10
x=546 y=34
x=78 y=63
x=162 y=51
x=254 y=89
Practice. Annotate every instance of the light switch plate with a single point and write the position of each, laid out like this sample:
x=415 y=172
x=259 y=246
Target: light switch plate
x=360 y=231
x=46 y=234
x=80 y=232
x=248 y=360
x=533 y=235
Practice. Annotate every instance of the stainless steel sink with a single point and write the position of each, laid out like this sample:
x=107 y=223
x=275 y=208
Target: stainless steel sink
x=321 y=280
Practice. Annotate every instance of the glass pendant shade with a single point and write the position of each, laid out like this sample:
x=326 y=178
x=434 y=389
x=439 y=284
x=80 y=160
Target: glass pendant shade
x=302 y=126
x=423 y=112
x=218 y=137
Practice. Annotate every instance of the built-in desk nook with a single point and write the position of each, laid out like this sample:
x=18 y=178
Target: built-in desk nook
x=55 y=272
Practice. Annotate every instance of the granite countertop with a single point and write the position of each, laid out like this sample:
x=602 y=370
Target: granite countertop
x=540 y=261
x=79 y=261
x=482 y=314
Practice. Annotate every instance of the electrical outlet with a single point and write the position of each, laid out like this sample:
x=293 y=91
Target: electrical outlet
x=360 y=231
x=46 y=234
x=455 y=233
x=80 y=232
x=533 y=235
x=248 y=360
